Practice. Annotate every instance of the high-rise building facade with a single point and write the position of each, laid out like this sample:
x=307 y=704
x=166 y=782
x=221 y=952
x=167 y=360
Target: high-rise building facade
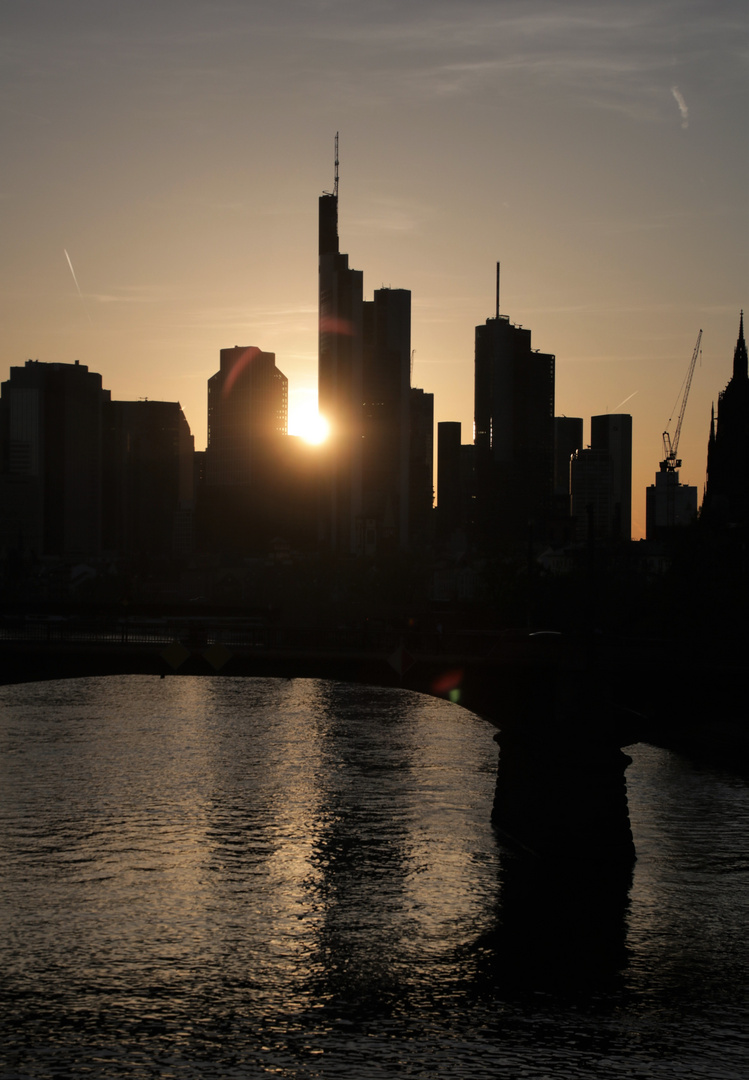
x=421 y=469
x=148 y=478
x=601 y=480
x=51 y=459
x=449 y=501
x=514 y=434
x=364 y=392
x=590 y=494
x=248 y=406
x=339 y=390
x=242 y=500
x=668 y=505
x=568 y=439
x=612 y=434
x=386 y=420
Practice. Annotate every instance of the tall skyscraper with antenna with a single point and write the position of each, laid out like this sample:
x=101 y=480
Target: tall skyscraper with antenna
x=339 y=377
x=514 y=433
x=370 y=499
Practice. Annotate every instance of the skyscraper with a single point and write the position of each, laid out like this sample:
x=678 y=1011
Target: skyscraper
x=612 y=434
x=421 y=469
x=339 y=375
x=514 y=433
x=51 y=451
x=148 y=478
x=386 y=421
x=241 y=501
x=601 y=480
x=568 y=439
x=449 y=501
x=364 y=383
x=248 y=406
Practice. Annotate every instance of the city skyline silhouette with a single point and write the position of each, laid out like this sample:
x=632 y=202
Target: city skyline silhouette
x=172 y=161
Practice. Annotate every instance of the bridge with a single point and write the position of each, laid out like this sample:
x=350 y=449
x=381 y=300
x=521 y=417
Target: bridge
x=561 y=788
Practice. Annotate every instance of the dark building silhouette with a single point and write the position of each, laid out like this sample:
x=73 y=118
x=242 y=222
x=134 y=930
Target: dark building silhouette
x=51 y=459
x=668 y=505
x=449 y=490
x=386 y=420
x=612 y=433
x=340 y=390
x=248 y=406
x=601 y=480
x=590 y=494
x=369 y=500
x=456 y=485
x=726 y=501
x=568 y=439
x=258 y=486
x=421 y=469
x=514 y=434
x=149 y=478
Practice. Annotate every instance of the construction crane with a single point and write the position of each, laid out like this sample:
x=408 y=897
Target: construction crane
x=670 y=461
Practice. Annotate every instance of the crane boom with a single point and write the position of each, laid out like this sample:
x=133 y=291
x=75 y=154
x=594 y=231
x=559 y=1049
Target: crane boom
x=670 y=462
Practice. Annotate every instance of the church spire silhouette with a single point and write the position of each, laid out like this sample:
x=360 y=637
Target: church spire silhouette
x=740 y=367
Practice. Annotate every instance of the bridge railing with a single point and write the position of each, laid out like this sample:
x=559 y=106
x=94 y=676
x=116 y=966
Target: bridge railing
x=243 y=634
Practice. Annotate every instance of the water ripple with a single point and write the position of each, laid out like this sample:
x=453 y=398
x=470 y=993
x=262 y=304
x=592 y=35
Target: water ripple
x=222 y=877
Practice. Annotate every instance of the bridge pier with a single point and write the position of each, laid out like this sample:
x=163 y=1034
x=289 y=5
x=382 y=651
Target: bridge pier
x=561 y=791
x=564 y=800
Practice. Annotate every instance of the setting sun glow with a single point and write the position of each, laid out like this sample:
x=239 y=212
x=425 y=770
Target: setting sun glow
x=307 y=423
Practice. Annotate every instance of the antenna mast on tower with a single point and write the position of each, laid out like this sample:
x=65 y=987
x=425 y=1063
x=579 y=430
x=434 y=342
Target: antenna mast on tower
x=335 y=185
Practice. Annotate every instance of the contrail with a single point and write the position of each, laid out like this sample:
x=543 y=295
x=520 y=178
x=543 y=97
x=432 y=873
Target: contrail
x=679 y=97
x=75 y=279
x=617 y=407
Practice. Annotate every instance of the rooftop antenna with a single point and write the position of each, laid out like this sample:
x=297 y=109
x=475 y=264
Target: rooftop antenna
x=335 y=186
x=497 y=290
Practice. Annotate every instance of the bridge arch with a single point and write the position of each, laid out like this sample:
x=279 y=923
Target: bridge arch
x=561 y=790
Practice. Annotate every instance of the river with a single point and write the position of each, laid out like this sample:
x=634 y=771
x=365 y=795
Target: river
x=218 y=877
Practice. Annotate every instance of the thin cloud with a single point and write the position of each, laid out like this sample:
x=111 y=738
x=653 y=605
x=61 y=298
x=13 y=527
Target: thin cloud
x=134 y=295
x=679 y=97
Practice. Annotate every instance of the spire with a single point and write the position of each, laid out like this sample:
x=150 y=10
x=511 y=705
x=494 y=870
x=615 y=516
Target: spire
x=335 y=186
x=328 y=219
x=712 y=423
x=740 y=366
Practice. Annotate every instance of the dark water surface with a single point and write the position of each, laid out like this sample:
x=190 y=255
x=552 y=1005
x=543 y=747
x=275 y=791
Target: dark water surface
x=215 y=877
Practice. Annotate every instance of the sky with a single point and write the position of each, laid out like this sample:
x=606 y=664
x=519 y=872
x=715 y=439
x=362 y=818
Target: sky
x=163 y=160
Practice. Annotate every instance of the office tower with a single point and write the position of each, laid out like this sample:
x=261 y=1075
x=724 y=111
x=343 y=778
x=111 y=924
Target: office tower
x=51 y=471
x=449 y=500
x=340 y=382
x=668 y=505
x=385 y=409
x=247 y=416
x=591 y=494
x=421 y=469
x=726 y=500
x=514 y=434
x=242 y=502
x=568 y=439
x=612 y=434
x=364 y=383
x=149 y=478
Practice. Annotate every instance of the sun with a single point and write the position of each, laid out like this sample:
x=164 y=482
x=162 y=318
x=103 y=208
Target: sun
x=306 y=422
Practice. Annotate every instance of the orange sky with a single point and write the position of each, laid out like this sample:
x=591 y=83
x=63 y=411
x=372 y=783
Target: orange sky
x=176 y=152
